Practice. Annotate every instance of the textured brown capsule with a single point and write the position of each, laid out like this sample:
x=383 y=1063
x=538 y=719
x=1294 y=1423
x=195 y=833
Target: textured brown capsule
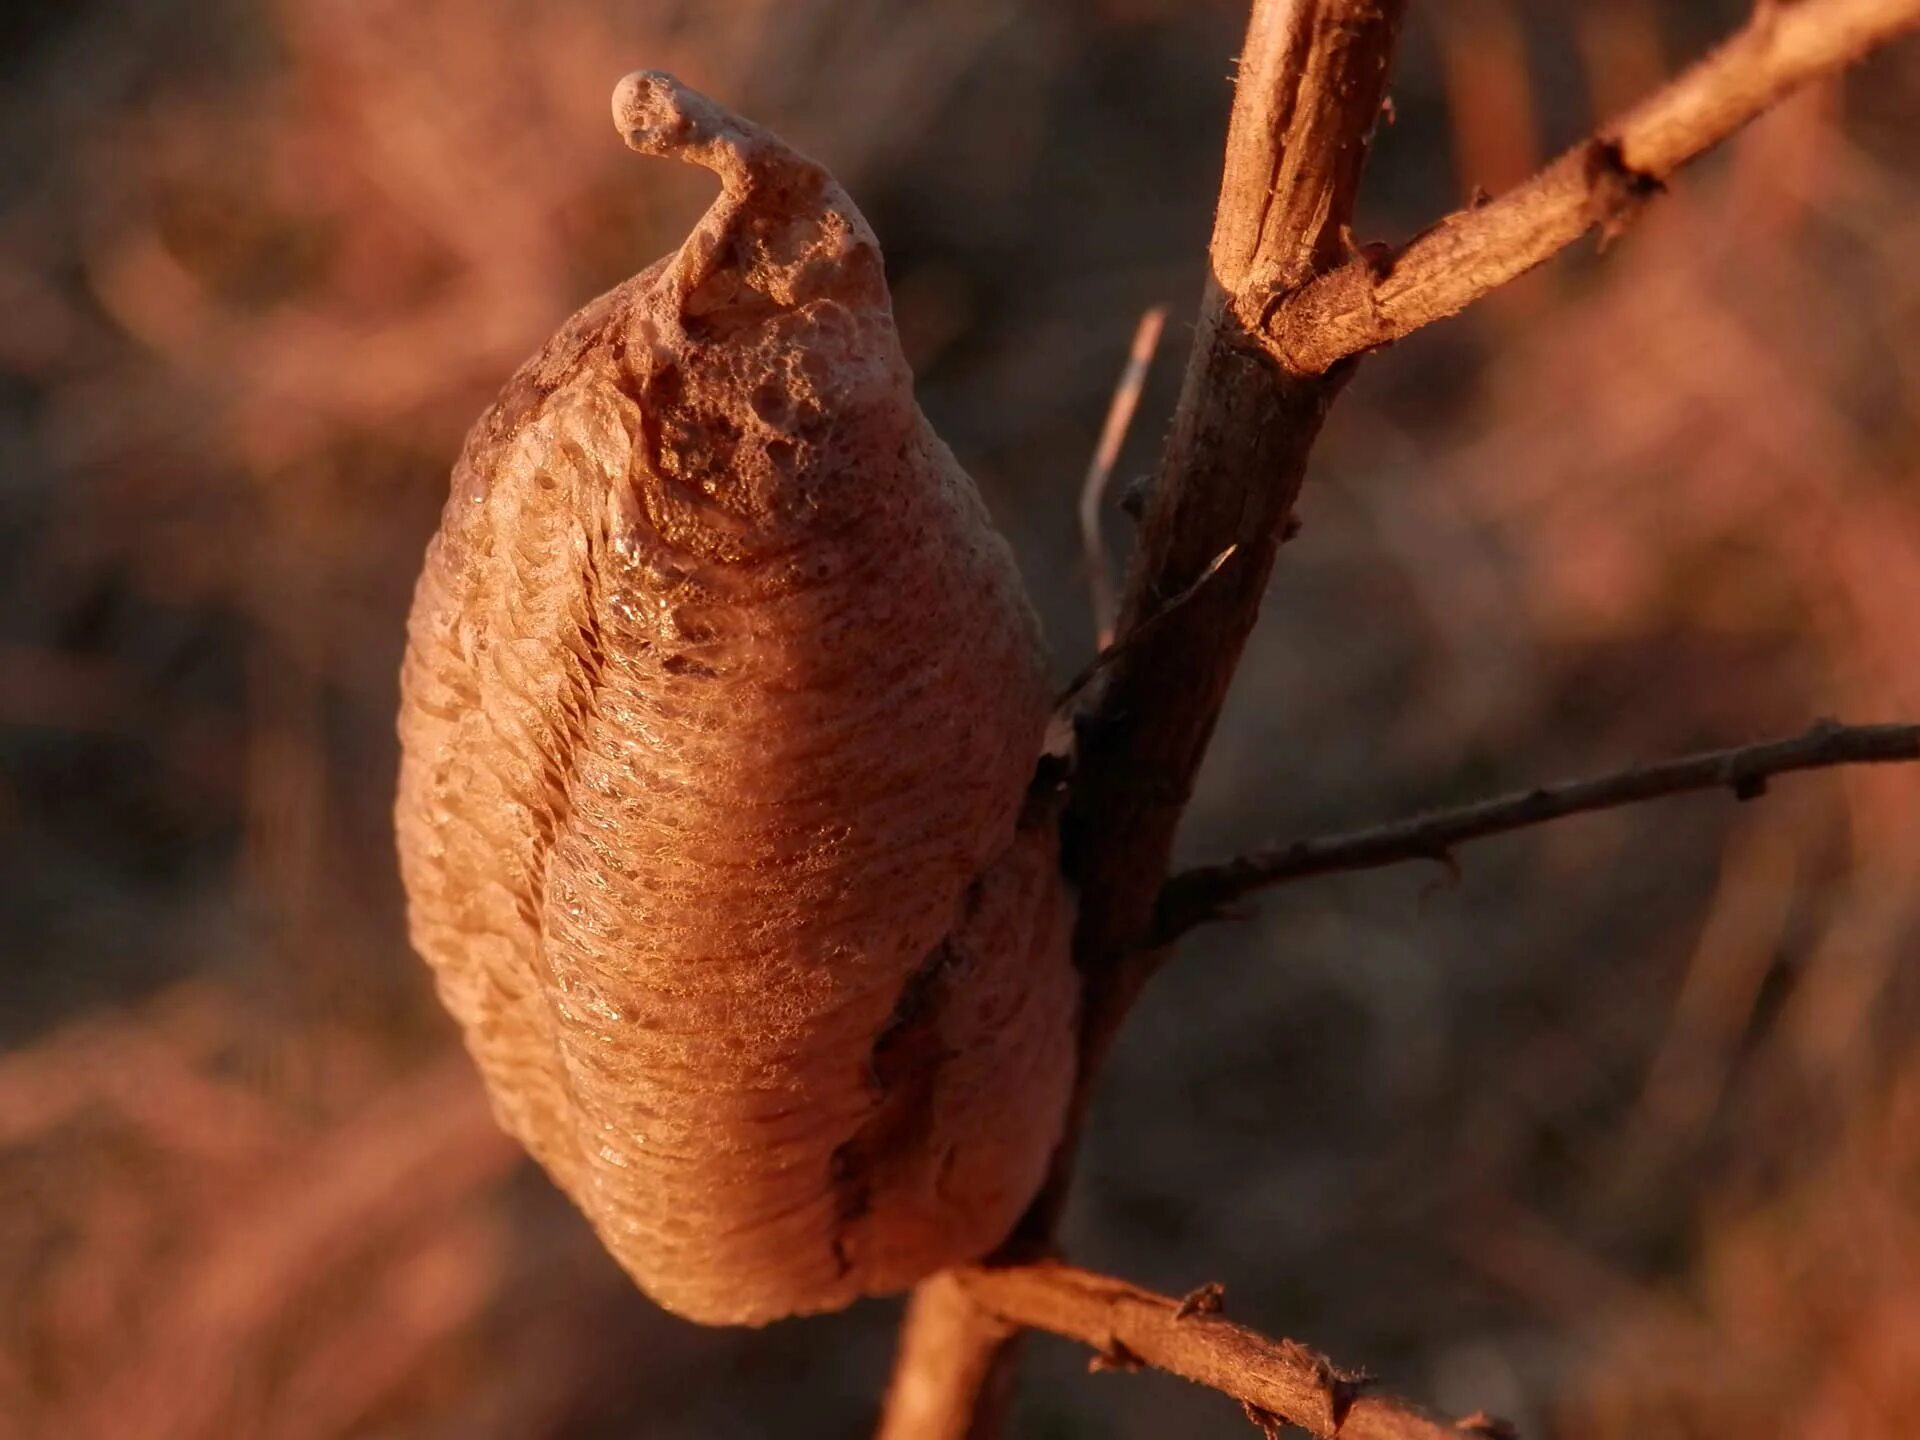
x=720 y=705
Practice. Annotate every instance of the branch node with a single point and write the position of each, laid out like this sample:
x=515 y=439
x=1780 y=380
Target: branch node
x=1270 y=1425
x=1376 y=257
x=1616 y=192
x=1116 y=1357
x=1341 y=1387
x=1208 y=1299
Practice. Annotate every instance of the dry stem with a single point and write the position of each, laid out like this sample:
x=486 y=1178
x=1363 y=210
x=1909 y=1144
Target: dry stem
x=1194 y=896
x=1378 y=298
x=950 y=1381
x=1093 y=490
x=1128 y=1327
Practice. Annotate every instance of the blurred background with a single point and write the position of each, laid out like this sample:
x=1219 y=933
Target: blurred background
x=1617 y=1134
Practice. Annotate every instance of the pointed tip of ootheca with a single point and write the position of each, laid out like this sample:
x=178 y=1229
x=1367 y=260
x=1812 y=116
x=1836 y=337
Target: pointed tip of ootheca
x=656 y=114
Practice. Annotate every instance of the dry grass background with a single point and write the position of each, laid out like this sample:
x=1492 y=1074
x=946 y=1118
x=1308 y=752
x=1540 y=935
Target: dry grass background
x=1618 y=1135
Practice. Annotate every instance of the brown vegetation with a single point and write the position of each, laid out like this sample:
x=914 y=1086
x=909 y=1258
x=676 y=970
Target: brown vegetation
x=1612 y=1136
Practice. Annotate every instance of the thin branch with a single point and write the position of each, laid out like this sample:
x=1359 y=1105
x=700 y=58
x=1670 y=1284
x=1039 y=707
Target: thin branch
x=1128 y=1327
x=1381 y=296
x=1102 y=662
x=1093 y=490
x=1194 y=896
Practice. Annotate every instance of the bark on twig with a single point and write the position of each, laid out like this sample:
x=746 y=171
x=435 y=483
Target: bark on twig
x=1380 y=297
x=1127 y=1327
x=1196 y=895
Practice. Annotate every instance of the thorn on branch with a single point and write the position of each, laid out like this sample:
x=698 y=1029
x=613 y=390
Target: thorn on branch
x=1451 y=876
x=1341 y=1387
x=1270 y=1425
x=1115 y=1357
x=1616 y=192
x=1208 y=1299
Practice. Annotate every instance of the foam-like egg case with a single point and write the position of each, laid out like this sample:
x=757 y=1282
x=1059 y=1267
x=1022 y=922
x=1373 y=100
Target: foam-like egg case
x=720 y=708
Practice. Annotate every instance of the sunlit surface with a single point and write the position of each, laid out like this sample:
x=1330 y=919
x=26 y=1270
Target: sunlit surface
x=1618 y=1136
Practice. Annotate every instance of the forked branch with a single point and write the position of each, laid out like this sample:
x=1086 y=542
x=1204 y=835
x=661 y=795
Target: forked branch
x=1128 y=1327
x=1379 y=297
x=1283 y=305
x=1194 y=896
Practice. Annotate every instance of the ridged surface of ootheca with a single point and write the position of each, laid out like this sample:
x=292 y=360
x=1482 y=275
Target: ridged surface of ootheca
x=720 y=705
